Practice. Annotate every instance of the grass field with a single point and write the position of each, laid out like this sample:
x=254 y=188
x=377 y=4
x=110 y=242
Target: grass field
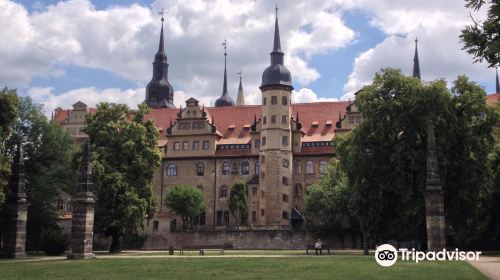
x=293 y=267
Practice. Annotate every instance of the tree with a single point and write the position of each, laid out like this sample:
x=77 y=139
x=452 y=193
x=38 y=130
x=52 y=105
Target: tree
x=238 y=201
x=384 y=158
x=187 y=202
x=124 y=159
x=48 y=151
x=482 y=39
x=9 y=109
x=327 y=203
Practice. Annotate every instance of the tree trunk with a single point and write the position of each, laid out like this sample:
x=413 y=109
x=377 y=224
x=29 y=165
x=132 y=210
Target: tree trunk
x=115 y=247
x=365 y=243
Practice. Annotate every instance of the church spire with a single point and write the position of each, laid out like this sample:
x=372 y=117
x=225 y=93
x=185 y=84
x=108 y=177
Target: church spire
x=497 y=83
x=416 y=64
x=277 y=74
x=240 y=100
x=224 y=100
x=159 y=91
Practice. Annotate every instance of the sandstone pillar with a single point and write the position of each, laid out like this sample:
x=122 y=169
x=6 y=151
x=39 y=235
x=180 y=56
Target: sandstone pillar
x=83 y=212
x=434 y=204
x=15 y=211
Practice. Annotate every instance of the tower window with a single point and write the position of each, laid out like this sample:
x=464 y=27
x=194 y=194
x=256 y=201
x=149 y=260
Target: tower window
x=257 y=167
x=286 y=163
x=264 y=120
x=225 y=168
x=254 y=191
x=285 y=215
x=274 y=100
x=263 y=159
x=254 y=216
x=285 y=198
x=284 y=119
x=284 y=180
x=273 y=119
x=265 y=101
x=264 y=141
x=262 y=212
x=257 y=143
x=284 y=140
x=284 y=100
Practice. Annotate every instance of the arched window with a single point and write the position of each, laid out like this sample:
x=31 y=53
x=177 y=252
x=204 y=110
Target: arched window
x=225 y=168
x=245 y=168
x=200 y=169
x=323 y=165
x=171 y=169
x=309 y=167
x=223 y=192
x=257 y=167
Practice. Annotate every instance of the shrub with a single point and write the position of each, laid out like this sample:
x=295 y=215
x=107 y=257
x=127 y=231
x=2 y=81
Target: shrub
x=54 y=242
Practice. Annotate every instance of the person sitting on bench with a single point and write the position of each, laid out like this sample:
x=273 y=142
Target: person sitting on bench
x=317 y=246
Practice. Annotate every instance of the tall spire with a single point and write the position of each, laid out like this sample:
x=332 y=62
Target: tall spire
x=224 y=100
x=497 y=83
x=240 y=100
x=159 y=91
x=277 y=74
x=416 y=64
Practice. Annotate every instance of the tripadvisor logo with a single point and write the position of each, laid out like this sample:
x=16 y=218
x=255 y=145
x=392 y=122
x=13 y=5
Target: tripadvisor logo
x=386 y=255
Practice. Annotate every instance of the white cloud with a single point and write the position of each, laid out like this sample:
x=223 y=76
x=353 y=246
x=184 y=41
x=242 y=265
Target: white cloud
x=123 y=40
x=89 y=95
x=437 y=25
x=305 y=95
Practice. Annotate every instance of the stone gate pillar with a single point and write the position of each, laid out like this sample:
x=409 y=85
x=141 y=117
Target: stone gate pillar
x=15 y=211
x=83 y=211
x=434 y=204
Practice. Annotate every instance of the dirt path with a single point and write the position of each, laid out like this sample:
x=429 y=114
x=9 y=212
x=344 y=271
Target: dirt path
x=489 y=266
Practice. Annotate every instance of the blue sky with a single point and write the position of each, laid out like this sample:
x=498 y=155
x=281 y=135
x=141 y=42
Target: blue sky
x=102 y=50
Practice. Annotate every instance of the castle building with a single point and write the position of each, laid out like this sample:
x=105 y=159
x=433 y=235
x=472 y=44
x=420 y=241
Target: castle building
x=277 y=149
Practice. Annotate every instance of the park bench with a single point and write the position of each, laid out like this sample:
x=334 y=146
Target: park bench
x=324 y=248
x=202 y=249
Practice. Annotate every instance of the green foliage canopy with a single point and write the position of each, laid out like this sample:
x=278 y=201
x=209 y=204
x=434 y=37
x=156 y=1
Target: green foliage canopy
x=238 y=201
x=187 y=202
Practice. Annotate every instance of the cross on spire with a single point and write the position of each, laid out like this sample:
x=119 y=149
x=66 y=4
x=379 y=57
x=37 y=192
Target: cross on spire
x=240 y=73
x=224 y=43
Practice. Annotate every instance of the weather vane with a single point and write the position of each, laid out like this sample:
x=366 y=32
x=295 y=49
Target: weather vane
x=162 y=12
x=239 y=74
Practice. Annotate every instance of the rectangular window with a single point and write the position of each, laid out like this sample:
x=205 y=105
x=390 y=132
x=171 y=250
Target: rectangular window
x=257 y=143
x=284 y=180
x=219 y=218
x=265 y=101
x=177 y=146
x=285 y=198
x=254 y=191
x=262 y=212
x=284 y=119
x=273 y=119
x=284 y=140
x=286 y=163
x=196 y=145
x=274 y=100
x=264 y=141
x=264 y=120
x=226 y=218
x=205 y=145
x=185 y=145
x=263 y=159
x=309 y=167
x=285 y=215
x=298 y=167
x=284 y=101
x=254 y=216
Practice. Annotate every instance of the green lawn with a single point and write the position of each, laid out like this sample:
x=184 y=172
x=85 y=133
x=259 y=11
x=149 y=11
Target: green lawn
x=312 y=267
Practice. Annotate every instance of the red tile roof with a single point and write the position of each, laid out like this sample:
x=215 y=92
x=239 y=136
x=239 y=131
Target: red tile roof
x=493 y=98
